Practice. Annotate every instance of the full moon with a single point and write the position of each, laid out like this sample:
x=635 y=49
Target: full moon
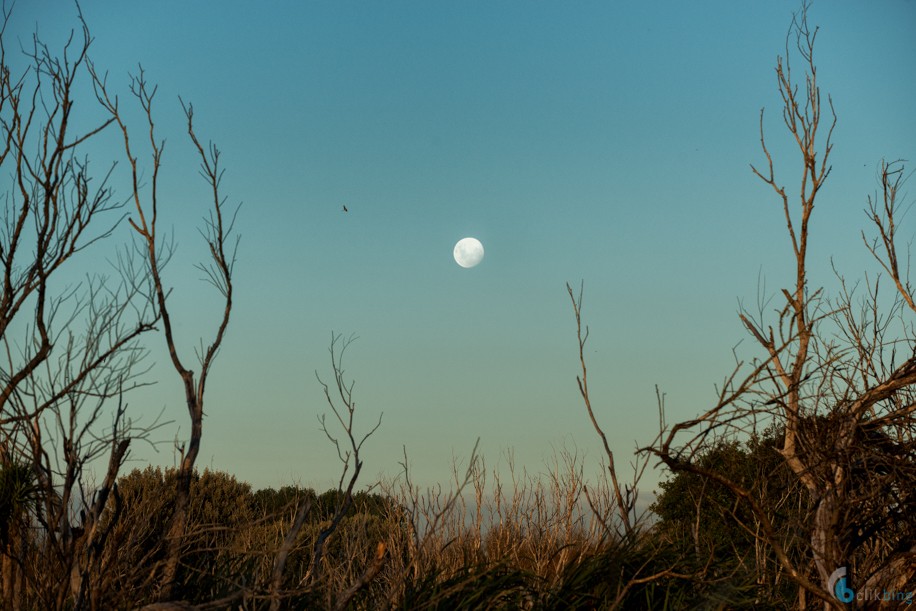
x=468 y=252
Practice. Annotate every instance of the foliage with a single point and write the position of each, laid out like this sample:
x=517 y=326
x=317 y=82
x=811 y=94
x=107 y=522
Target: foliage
x=17 y=494
x=701 y=520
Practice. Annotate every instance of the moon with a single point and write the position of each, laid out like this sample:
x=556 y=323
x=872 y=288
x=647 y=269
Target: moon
x=468 y=252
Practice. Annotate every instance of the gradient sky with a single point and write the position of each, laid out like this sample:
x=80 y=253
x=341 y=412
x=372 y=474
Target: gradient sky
x=604 y=141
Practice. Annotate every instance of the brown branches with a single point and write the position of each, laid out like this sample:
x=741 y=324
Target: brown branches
x=625 y=507
x=348 y=451
x=802 y=117
x=828 y=377
x=378 y=561
x=51 y=210
x=892 y=178
x=70 y=352
x=219 y=272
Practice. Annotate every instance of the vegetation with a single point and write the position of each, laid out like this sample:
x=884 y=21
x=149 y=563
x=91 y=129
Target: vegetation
x=805 y=466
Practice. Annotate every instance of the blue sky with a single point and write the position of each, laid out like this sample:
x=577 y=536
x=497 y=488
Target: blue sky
x=603 y=141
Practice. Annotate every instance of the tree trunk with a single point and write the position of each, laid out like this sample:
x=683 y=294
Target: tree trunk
x=824 y=538
x=12 y=577
x=182 y=501
x=174 y=539
x=8 y=567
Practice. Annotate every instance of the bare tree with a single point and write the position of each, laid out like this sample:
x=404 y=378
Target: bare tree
x=830 y=379
x=348 y=450
x=630 y=521
x=625 y=500
x=348 y=454
x=71 y=351
x=218 y=234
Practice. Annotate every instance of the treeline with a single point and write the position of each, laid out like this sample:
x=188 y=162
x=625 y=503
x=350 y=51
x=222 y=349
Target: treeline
x=232 y=536
x=536 y=546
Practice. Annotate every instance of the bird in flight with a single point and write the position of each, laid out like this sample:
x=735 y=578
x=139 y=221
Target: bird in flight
x=345 y=209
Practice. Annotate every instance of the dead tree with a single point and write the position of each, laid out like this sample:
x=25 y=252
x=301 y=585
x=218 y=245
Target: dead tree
x=620 y=517
x=71 y=352
x=831 y=377
x=218 y=234
x=348 y=451
x=625 y=501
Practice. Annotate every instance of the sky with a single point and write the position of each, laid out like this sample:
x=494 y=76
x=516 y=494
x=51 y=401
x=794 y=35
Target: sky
x=604 y=142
